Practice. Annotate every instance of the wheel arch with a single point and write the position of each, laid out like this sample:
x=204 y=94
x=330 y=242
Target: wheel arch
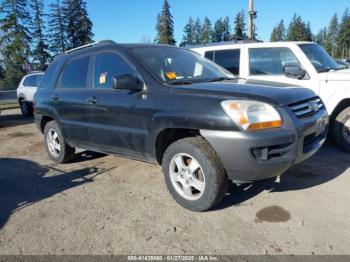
x=168 y=136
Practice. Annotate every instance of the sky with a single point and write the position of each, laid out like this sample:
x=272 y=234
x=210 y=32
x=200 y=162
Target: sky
x=127 y=21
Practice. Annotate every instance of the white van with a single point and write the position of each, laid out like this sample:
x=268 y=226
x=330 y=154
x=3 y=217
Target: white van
x=296 y=63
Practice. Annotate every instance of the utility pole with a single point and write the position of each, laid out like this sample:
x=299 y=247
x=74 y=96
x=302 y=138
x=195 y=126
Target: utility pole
x=252 y=16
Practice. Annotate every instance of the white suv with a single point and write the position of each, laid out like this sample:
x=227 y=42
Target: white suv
x=26 y=90
x=295 y=63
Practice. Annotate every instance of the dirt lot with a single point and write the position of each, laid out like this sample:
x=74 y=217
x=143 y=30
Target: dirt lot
x=108 y=205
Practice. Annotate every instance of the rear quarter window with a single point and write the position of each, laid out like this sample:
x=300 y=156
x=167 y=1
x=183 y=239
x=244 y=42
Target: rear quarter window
x=47 y=78
x=32 y=80
x=228 y=59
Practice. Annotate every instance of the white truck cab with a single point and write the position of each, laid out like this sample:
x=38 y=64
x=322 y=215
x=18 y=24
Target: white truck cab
x=296 y=63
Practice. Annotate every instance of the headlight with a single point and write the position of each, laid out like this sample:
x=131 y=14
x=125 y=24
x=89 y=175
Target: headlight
x=252 y=115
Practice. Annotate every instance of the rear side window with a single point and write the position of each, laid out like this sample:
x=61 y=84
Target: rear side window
x=33 y=80
x=270 y=61
x=228 y=59
x=107 y=66
x=209 y=55
x=74 y=74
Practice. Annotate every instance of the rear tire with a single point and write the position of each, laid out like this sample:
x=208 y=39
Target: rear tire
x=57 y=148
x=26 y=108
x=201 y=189
x=341 y=129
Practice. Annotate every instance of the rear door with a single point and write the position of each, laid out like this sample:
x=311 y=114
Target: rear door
x=70 y=99
x=116 y=118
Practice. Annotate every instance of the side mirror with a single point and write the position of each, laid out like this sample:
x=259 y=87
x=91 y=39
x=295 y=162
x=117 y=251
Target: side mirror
x=127 y=82
x=294 y=71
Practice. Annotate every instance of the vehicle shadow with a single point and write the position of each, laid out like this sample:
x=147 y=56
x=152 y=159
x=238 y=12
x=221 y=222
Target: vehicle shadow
x=14 y=120
x=325 y=166
x=87 y=156
x=24 y=182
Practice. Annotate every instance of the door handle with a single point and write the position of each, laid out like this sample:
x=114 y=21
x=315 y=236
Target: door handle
x=55 y=98
x=92 y=100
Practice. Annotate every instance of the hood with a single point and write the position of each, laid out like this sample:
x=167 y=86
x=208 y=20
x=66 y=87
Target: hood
x=341 y=75
x=265 y=91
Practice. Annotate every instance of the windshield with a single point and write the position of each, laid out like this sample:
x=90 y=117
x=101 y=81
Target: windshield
x=320 y=59
x=177 y=65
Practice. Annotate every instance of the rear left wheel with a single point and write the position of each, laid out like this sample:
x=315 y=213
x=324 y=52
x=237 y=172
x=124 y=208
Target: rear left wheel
x=26 y=108
x=57 y=148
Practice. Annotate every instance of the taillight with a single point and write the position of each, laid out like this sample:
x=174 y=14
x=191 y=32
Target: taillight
x=33 y=105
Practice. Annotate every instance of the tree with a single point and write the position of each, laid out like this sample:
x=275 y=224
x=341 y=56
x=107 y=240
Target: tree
x=165 y=26
x=79 y=25
x=322 y=38
x=15 y=41
x=240 y=26
x=278 y=33
x=344 y=35
x=188 y=37
x=218 y=32
x=57 y=28
x=333 y=31
x=40 y=52
x=197 y=31
x=298 y=30
x=226 y=29
x=206 y=31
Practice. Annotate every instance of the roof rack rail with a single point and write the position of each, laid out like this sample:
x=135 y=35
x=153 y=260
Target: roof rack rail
x=89 y=45
x=235 y=41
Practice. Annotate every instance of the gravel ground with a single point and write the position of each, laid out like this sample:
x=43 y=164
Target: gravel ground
x=109 y=205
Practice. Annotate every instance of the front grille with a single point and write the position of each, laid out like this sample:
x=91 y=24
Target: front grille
x=307 y=107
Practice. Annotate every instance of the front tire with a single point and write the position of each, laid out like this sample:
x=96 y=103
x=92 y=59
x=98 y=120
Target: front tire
x=194 y=174
x=26 y=108
x=57 y=148
x=341 y=129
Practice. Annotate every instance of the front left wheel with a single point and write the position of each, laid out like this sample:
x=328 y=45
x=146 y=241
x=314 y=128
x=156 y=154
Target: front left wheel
x=341 y=129
x=57 y=148
x=194 y=174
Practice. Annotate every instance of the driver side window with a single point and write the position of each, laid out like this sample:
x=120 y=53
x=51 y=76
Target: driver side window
x=107 y=66
x=270 y=61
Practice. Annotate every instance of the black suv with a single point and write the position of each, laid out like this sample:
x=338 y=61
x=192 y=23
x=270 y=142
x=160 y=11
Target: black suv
x=170 y=106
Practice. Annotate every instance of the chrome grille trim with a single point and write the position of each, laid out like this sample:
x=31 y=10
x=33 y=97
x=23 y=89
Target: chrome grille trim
x=307 y=108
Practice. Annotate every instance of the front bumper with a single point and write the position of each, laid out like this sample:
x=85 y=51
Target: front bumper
x=251 y=156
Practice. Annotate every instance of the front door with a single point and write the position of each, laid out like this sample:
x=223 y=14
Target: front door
x=117 y=122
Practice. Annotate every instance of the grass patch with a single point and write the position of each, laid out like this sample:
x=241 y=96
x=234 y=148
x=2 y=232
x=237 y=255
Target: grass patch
x=9 y=106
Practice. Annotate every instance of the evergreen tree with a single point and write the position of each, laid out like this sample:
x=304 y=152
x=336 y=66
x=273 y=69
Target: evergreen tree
x=188 y=37
x=278 y=33
x=344 y=35
x=165 y=26
x=197 y=30
x=322 y=38
x=226 y=29
x=79 y=25
x=57 y=28
x=240 y=26
x=333 y=31
x=298 y=30
x=217 y=35
x=40 y=51
x=14 y=41
x=206 y=31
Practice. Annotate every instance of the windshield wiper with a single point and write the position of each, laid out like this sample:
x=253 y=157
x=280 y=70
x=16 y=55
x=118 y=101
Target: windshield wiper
x=219 y=79
x=180 y=82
